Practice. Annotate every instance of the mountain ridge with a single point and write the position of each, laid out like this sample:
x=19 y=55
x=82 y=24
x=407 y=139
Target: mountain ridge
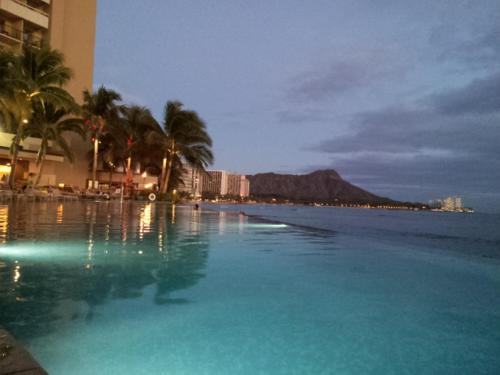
x=324 y=185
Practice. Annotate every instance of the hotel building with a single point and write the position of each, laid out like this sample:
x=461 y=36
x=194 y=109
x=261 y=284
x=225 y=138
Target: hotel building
x=68 y=26
x=244 y=187
x=191 y=182
x=221 y=183
x=452 y=204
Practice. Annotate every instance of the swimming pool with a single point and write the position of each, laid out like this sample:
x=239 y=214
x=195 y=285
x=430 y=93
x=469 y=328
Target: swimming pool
x=100 y=288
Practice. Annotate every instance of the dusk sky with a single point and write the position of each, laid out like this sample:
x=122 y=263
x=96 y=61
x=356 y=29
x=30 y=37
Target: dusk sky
x=400 y=97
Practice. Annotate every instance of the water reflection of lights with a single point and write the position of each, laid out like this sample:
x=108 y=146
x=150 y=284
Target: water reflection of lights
x=242 y=221
x=4 y=223
x=195 y=221
x=145 y=220
x=17 y=273
x=60 y=212
x=90 y=249
x=160 y=241
x=222 y=222
x=124 y=220
x=173 y=214
x=162 y=231
x=107 y=228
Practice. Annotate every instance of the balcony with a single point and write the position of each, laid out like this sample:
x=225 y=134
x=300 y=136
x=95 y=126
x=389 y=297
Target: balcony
x=10 y=35
x=25 y=11
x=29 y=148
x=13 y=36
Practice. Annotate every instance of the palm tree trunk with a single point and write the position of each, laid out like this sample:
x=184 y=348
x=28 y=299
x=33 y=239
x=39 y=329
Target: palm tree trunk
x=167 y=176
x=129 y=174
x=94 y=165
x=40 y=170
x=124 y=178
x=13 y=165
x=163 y=170
x=169 y=167
x=15 y=151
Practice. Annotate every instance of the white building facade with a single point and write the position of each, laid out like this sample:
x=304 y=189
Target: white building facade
x=223 y=183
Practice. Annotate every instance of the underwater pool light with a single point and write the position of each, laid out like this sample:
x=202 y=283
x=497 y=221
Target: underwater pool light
x=267 y=226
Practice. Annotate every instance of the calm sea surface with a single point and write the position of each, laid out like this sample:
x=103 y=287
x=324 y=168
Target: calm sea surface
x=101 y=288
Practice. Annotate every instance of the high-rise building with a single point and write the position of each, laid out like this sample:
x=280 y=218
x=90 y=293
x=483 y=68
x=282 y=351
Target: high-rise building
x=221 y=183
x=233 y=184
x=190 y=182
x=452 y=204
x=214 y=183
x=68 y=26
x=244 y=187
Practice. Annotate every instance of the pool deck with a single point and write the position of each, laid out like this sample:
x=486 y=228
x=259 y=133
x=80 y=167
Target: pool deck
x=14 y=359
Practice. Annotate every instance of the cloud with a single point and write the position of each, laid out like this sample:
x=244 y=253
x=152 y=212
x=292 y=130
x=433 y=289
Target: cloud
x=447 y=142
x=480 y=50
x=340 y=76
x=481 y=96
x=331 y=81
x=299 y=116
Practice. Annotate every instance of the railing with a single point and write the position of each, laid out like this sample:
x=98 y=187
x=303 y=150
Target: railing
x=31 y=7
x=11 y=32
x=20 y=36
x=32 y=40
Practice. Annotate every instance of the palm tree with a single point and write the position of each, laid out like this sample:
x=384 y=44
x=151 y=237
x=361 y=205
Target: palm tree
x=49 y=124
x=100 y=110
x=186 y=138
x=113 y=152
x=137 y=123
x=34 y=77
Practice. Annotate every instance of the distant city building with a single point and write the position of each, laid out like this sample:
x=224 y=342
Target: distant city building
x=447 y=204
x=233 y=184
x=190 y=182
x=214 y=183
x=452 y=204
x=244 y=187
x=221 y=183
x=436 y=203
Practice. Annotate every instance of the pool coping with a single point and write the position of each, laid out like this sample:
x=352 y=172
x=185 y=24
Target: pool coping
x=15 y=359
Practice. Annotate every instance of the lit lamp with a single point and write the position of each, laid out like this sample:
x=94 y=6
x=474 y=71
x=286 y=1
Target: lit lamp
x=4 y=172
x=5 y=169
x=144 y=175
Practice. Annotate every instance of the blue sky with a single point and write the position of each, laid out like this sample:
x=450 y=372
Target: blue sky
x=400 y=97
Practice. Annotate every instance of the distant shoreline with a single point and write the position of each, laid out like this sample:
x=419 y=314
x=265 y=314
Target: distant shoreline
x=353 y=206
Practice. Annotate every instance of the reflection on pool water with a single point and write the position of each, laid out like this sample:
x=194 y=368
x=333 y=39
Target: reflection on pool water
x=104 y=288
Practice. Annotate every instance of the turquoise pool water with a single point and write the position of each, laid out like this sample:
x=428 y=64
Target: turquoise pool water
x=99 y=288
